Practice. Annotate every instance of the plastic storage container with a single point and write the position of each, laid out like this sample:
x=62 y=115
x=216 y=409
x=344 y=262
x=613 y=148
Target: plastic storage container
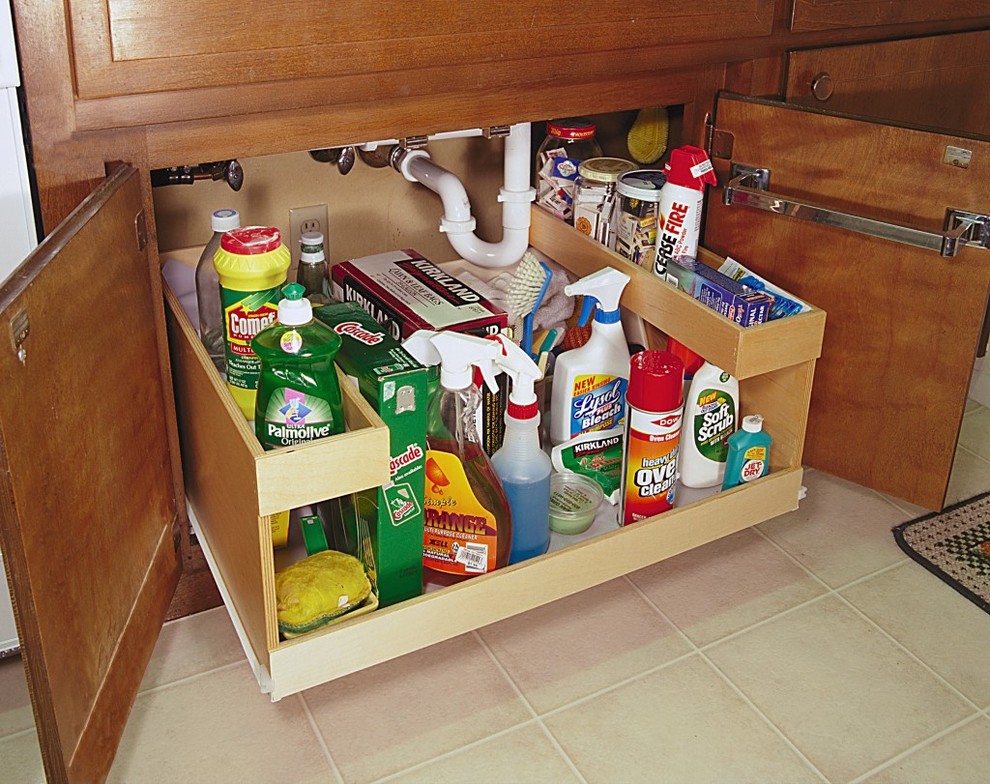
x=569 y=142
x=637 y=215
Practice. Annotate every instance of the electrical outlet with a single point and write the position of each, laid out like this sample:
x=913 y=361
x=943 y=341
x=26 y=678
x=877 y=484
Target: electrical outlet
x=303 y=219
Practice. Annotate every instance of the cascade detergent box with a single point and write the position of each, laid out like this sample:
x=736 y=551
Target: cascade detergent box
x=395 y=385
x=404 y=292
x=719 y=292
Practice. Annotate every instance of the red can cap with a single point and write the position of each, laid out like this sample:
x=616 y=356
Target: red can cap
x=571 y=128
x=656 y=381
x=251 y=240
x=690 y=167
x=692 y=361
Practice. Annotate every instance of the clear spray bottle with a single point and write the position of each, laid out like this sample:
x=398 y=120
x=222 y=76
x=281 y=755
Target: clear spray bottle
x=520 y=463
x=468 y=521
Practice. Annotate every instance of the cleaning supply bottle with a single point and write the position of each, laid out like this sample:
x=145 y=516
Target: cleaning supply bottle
x=251 y=264
x=681 y=200
x=312 y=273
x=711 y=414
x=208 y=287
x=653 y=428
x=468 y=521
x=299 y=396
x=749 y=453
x=520 y=463
x=589 y=386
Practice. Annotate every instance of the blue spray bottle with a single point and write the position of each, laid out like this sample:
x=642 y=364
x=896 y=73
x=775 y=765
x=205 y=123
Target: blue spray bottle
x=520 y=463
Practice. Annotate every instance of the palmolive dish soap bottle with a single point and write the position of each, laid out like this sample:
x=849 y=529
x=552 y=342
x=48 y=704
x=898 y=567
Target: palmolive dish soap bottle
x=467 y=522
x=251 y=264
x=589 y=383
x=681 y=200
x=299 y=397
x=520 y=463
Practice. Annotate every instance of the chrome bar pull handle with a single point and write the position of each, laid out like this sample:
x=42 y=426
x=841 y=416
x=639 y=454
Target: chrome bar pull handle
x=749 y=188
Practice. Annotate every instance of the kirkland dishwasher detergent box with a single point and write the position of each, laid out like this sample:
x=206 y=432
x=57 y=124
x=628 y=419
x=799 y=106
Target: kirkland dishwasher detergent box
x=395 y=385
x=404 y=292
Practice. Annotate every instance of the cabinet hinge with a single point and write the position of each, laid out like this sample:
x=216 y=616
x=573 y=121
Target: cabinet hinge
x=19 y=330
x=718 y=143
x=141 y=230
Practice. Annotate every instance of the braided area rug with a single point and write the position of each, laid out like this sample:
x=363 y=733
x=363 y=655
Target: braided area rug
x=954 y=545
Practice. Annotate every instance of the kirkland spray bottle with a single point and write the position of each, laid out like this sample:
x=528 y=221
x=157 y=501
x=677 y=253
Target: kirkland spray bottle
x=589 y=386
x=520 y=463
x=653 y=428
x=681 y=200
x=468 y=522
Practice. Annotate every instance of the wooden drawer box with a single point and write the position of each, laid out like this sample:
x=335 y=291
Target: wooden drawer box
x=231 y=484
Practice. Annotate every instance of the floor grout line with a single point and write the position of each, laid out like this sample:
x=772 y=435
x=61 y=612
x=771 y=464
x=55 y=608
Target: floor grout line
x=195 y=677
x=766 y=719
x=909 y=652
x=338 y=776
x=454 y=752
x=661 y=613
x=917 y=747
x=782 y=614
x=546 y=730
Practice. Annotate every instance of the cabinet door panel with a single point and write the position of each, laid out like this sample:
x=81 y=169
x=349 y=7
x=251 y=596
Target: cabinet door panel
x=903 y=323
x=829 y=14
x=122 y=47
x=87 y=501
x=935 y=81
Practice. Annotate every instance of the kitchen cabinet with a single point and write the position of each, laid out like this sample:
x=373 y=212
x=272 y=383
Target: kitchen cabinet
x=829 y=14
x=904 y=321
x=95 y=546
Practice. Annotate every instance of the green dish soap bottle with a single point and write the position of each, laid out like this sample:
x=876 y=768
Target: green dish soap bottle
x=299 y=396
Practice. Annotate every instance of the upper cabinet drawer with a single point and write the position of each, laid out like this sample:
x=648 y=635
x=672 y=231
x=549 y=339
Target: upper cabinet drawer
x=831 y=14
x=343 y=50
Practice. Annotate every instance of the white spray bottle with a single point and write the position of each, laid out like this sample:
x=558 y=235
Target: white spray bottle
x=467 y=521
x=520 y=463
x=589 y=383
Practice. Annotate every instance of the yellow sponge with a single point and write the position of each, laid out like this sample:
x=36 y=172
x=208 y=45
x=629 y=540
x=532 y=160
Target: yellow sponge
x=647 y=139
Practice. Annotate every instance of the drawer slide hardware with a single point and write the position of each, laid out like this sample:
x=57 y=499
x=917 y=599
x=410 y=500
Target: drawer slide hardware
x=749 y=188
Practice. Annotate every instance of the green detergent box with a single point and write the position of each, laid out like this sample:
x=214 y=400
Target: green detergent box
x=395 y=385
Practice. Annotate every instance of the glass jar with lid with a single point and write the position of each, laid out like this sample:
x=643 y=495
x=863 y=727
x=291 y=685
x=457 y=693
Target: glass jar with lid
x=636 y=215
x=569 y=141
x=594 y=197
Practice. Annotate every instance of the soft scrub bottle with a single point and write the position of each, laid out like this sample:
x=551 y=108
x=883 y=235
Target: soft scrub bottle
x=711 y=415
x=520 y=463
x=468 y=522
x=589 y=383
x=299 y=396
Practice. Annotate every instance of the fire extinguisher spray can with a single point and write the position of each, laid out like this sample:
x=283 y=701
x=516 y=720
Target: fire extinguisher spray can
x=653 y=427
x=682 y=199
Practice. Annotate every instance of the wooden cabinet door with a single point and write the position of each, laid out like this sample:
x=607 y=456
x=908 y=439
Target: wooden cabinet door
x=87 y=499
x=138 y=63
x=903 y=323
x=938 y=79
x=809 y=15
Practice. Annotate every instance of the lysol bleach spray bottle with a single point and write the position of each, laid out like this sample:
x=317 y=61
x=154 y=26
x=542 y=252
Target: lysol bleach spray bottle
x=520 y=462
x=653 y=429
x=589 y=383
x=681 y=200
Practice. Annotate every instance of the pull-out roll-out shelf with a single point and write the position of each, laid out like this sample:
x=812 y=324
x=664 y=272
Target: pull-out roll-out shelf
x=232 y=485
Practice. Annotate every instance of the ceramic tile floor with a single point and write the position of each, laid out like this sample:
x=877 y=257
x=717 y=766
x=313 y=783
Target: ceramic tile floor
x=807 y=649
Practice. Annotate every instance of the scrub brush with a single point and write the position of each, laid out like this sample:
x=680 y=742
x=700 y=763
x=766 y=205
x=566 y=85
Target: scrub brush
x=647 y=139
x=524 y=296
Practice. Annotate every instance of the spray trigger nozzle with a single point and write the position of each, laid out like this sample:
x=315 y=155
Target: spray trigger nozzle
x=523 y=371
x=459 y=353
x=602 y=288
